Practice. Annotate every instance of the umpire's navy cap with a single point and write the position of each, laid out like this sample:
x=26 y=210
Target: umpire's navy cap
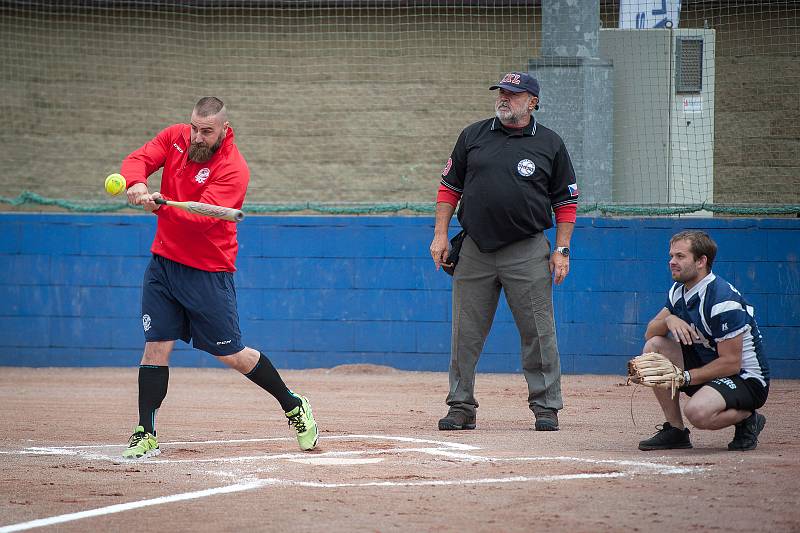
x=518 y=82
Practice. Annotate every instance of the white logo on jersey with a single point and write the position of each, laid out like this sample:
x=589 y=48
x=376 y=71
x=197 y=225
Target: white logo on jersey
x=526 y=167
x=223 y=342
x=146 y=322
x=202 y=176
x=178 y=148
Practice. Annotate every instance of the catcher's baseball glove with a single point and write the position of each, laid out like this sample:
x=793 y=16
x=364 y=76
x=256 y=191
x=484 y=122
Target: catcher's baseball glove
x=655 y=370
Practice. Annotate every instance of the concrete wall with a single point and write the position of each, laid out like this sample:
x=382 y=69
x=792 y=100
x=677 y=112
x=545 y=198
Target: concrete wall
x=322 y=291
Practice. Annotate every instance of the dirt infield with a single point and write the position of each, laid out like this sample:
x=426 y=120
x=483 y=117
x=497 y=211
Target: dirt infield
x=230 y=463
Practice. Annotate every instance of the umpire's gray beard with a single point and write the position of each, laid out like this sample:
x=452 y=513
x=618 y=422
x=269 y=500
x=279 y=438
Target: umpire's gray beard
x=509 y=118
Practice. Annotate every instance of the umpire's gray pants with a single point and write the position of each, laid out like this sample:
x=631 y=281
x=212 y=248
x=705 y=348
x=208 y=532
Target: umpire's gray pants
x=522 y=270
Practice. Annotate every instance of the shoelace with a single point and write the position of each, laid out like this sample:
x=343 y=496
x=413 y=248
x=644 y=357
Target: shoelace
x=136 y=438
x=660 y=429
x=297 y=421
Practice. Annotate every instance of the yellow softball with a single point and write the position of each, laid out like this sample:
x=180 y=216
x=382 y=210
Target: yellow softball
x=115 y=184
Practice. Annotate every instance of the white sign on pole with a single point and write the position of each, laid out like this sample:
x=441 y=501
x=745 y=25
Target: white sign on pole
x=643 y=14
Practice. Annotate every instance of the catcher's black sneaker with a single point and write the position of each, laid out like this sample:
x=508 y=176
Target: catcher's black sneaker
x=746 y=435
x=457 y=420
x=546 y=419
x=667 y=438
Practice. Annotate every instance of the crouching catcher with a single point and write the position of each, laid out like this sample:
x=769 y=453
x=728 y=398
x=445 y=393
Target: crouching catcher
x=708 y=333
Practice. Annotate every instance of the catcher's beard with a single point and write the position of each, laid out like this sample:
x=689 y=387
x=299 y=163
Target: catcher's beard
x=201 y=152
x=686 y=275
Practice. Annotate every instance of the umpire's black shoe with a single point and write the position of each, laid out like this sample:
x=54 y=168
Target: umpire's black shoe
x=457 y=420
x=546 y=419
x=746 y=435
x=667 y=438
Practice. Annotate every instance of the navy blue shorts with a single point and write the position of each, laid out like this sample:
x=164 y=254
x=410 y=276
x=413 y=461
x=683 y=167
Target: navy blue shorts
x=742 y=394
x=180 y=302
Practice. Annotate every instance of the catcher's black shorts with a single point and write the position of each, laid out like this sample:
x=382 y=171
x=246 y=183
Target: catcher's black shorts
x=739 y=393
x=181 y=302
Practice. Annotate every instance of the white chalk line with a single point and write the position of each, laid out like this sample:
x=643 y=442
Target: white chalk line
x=253 y=484
x=454 y=445
x=84 y=450
x=336 y=461
x=660 y=467
x=120 y=507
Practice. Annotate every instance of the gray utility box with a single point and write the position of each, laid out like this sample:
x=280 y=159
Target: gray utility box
x=663 y=114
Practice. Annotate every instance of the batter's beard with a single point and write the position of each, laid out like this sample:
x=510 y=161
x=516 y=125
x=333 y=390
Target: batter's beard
x=201 y=152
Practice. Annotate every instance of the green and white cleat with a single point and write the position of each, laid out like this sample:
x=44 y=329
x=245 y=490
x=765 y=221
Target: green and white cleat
x=141 y=445
x=304 y=424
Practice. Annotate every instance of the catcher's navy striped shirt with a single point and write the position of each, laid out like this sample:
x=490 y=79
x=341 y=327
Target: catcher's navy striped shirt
x=718 y=311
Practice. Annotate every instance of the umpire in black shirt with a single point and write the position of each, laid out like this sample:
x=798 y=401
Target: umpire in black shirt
x=511 y=175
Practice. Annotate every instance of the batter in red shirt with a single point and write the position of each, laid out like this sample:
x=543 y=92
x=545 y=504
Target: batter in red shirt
x=188 y=291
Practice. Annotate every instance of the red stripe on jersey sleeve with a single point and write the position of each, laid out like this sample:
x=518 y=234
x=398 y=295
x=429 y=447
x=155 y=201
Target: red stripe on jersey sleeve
x=566 y=213
x=448 y=196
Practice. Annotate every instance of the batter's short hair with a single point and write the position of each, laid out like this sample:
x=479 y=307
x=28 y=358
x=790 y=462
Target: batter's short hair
x=701 y=244
x=209 y=106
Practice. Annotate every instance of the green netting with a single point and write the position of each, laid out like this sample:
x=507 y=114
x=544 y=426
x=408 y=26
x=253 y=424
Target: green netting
x=33 y=199
x=354 y=107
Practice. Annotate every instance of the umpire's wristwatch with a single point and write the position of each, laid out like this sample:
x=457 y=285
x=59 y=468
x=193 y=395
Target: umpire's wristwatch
x=563 y=250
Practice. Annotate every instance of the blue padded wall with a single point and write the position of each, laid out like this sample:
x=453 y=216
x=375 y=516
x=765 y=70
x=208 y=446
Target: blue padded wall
x=323 y=291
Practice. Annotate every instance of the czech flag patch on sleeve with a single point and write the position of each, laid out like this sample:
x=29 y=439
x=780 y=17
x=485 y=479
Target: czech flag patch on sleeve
x=573 y=190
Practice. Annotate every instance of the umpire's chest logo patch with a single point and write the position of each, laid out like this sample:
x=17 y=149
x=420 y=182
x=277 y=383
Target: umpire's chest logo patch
x=202 y=175
x=526 y=168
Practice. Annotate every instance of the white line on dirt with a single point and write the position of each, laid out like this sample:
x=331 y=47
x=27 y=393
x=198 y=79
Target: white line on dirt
x=118 y=508
x=336 y=461
x=454 y=445
x=450 y=482
x=86 y=451
x=659 y=467
x=117 y=458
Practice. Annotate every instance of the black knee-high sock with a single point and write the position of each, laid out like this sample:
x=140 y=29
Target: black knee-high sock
x=265 y=376
x=153 y=382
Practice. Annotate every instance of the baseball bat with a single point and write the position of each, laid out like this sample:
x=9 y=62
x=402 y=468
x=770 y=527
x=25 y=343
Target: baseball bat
x=206 y=210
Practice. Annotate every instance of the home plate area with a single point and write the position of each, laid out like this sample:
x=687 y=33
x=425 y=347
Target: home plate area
x=374 y=462
x=368 y=460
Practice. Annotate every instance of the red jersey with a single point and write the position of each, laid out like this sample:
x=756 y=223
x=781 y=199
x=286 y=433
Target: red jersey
x=200 y=242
